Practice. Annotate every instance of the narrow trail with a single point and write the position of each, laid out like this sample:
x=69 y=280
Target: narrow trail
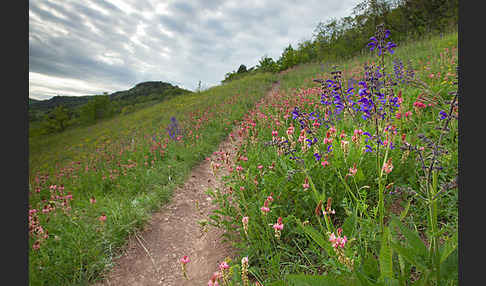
x=152 y=256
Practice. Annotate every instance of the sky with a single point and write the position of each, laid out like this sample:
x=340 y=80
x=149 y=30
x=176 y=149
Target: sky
x=87 y=47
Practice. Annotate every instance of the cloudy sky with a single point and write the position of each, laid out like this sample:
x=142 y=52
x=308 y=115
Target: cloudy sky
x=85 y=47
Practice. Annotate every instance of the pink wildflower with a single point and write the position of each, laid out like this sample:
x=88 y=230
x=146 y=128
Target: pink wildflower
x=353 y=170
x=388 y=166
x=223 y=265
x=265 y=208
x=419 y=104
x=279 y=225
x=245 y=220
x=338 y=241
x=36 y=245
x=290 y=130
x=185 y=259
x=102 y=218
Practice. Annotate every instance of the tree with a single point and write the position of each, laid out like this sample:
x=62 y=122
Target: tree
x=56 y=120
x=242 y=69
x=287 y=59
x=97 y=108
x=267 y=64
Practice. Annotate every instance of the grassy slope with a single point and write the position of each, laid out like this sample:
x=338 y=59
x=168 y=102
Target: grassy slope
x=128 y=173
x=272 y=261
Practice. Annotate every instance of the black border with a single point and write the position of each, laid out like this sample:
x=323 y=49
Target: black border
x=15 y=46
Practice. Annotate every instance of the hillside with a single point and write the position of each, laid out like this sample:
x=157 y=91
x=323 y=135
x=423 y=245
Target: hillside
x=144 y=91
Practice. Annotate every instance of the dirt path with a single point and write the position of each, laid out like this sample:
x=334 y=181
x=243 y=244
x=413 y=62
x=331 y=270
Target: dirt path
x=152 y=256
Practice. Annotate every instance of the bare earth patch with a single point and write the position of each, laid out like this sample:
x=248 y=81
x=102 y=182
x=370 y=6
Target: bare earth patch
x=152 y=257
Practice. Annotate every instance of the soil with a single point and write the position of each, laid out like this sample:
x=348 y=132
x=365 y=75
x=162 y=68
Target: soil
x=152 y=256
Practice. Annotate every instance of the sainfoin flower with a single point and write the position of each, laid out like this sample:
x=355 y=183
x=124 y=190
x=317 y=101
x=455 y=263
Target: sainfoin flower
x=338 y=241
x=214 y=279
x=245 y=220
x=102 y=218
x=265 y=209
x=223 y=265
x=244 y=270
x=306 y=185
x=328 y=209
x=419 y=104
x=388 y=166
x=278 y=227
x=184 y=260
x=353 y=170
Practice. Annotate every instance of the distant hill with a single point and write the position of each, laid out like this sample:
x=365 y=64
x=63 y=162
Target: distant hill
x=144 y=91
x=67 y=101
x=31 y=100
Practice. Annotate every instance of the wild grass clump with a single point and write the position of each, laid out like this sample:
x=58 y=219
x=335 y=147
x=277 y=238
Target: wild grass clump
x=348 y=175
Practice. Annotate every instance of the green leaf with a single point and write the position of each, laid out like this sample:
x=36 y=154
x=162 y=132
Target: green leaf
x=405 y=211
x=349 y=226
x=412 y=238
x=317 y=237
x=449 y=268
x=365 y=281
x=409 y=255
x=311 y=280
x=386 y=263
x=277 y=283
x=448 y=247
x=370 y=266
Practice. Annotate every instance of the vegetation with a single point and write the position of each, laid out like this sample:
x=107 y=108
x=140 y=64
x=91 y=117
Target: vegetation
x=349 y=175
x=347 y=37
x=45 y=116
x=91 y=186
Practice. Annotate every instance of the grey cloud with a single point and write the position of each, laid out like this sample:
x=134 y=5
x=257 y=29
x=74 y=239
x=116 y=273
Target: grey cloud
x=210 y=38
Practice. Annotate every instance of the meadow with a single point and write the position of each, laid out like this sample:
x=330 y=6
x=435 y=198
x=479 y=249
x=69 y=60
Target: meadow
x=348 y=176
x=91 y=187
